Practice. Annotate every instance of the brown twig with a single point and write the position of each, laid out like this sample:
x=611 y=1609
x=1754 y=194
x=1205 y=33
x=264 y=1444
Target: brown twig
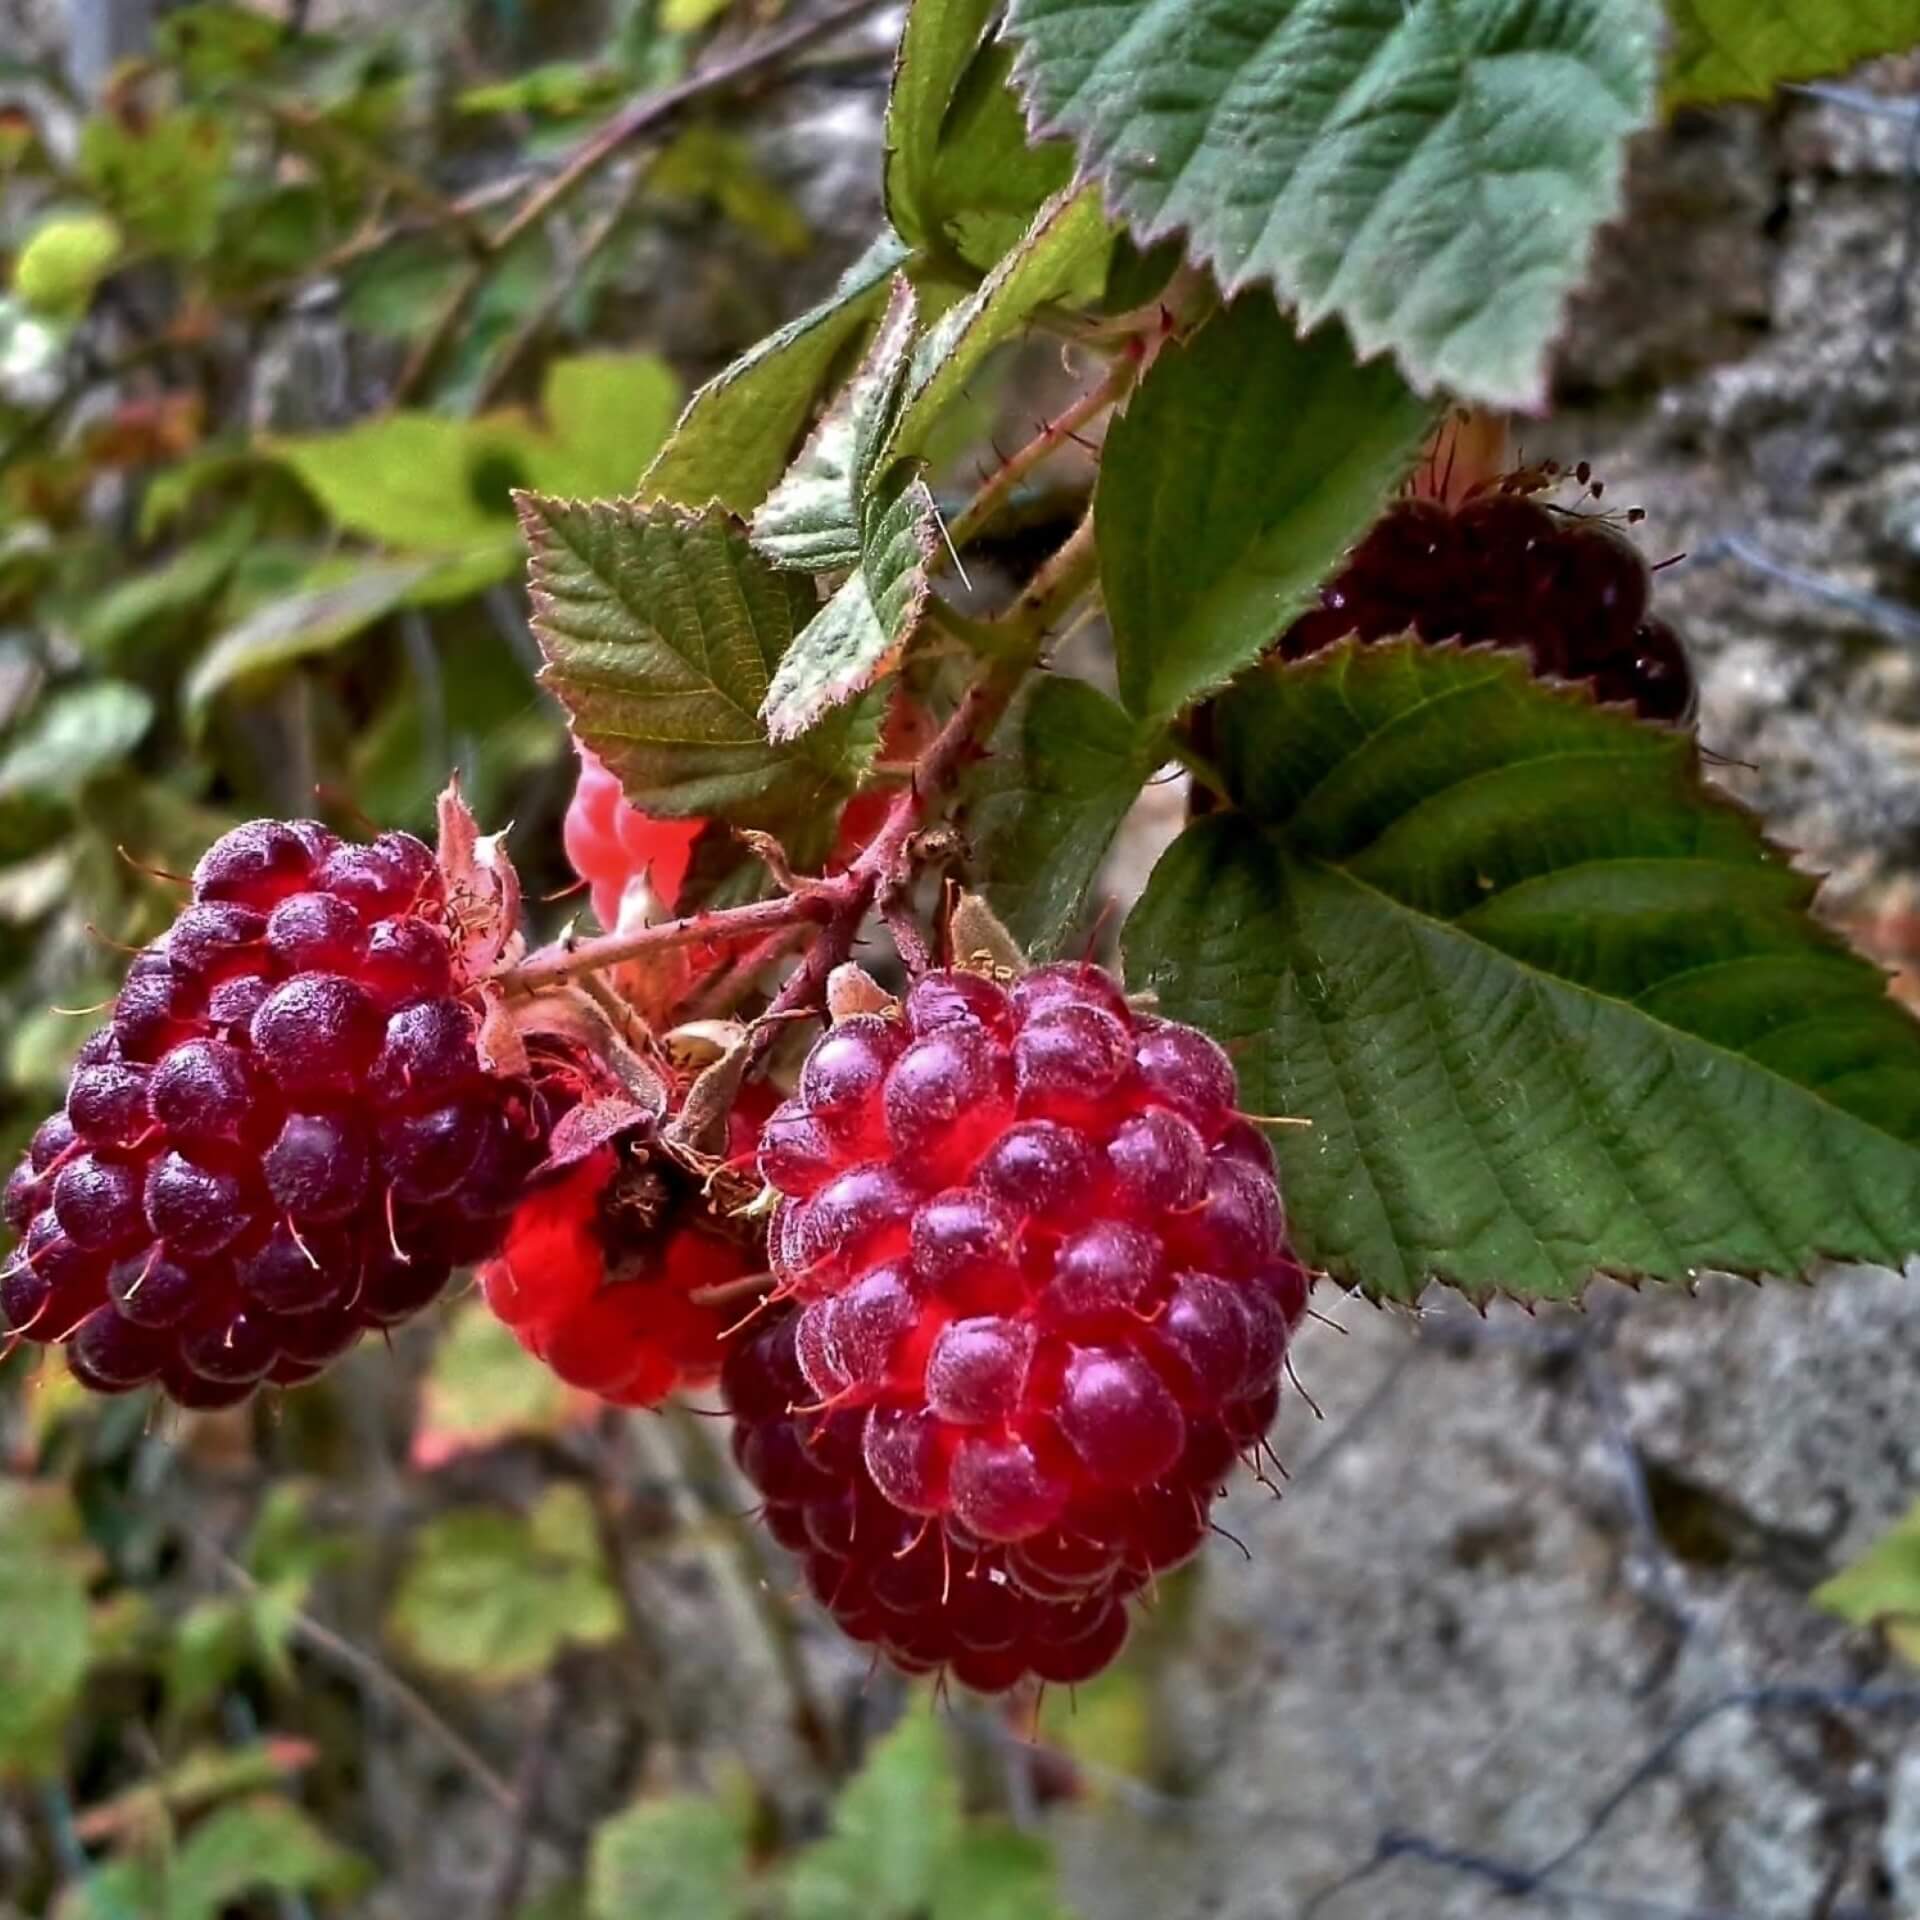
x=721 y=925
x=529 y=1781
x=839 y=903
x=1053 y=435
x=644 y=116
x=322 y=1640
x=649 y=115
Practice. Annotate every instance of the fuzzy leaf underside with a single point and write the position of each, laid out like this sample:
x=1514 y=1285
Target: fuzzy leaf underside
x=1743 y=49
x=1431 y=174
x=837 y=509
x=1244 y=467
x=1060 y=775
x=662 y=633
x=810 y=522
x=862 y=629
x=1552 y=1005
x=737 y=433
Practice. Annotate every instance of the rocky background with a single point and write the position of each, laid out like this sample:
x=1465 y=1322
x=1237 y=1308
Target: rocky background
x=1519 y=1553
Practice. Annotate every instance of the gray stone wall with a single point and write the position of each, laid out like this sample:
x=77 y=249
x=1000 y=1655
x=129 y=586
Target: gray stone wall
x=1519 y=1553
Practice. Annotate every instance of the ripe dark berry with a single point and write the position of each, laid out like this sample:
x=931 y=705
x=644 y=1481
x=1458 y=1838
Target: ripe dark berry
x=289 y=1090
x=1503 y=567
x=1053 y=1296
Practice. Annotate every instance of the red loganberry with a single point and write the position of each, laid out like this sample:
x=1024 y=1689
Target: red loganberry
x=621 y=1274
x=611 y=842
x=1500 y=566
x=1041 y=1274
x=281 y=1131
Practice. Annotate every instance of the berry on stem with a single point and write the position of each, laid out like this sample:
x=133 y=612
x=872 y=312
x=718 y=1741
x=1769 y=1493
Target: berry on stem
x=1044 y=1296
x=288 y=1097
x=1501 y=566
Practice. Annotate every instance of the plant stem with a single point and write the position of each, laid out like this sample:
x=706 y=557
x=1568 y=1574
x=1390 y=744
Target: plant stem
x=839 y=903
x=1053 y=434
x=565 y=959
x=1049 y=593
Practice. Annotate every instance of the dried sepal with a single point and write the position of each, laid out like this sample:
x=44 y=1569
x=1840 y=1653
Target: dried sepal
x=483 y=890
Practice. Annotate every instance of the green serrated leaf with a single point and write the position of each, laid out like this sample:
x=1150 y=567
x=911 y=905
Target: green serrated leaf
x=678 y=1858
x=738 y=432
x=833 y=511
x=662 y=633
x=991 y=178
x=1551 y=1003
x=45 y=1626
x=494 y=1597
x=1064 y=249
x=1245 y=465
x=1743 y=49
x=861 y=630
x=1432 y=174
x=936 y=45
x=961 y=177
x=893 y=1824
x=1063 y=769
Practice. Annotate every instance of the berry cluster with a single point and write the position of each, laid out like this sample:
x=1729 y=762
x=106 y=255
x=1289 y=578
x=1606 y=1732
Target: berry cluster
x=284 y=1135
x=1504 y=567
x=1043 y=1298
x=604 y=1269
x=611 y=842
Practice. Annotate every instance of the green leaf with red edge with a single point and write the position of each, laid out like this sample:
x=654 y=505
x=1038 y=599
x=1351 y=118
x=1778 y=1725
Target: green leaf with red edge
x=1245 y=465
x=662 y=632
x=1743 y=49
x=1551 y=1003
x=836 y=509
x=738 y=432
x=810 y=522
x=1432 y=174
x=859 y=634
